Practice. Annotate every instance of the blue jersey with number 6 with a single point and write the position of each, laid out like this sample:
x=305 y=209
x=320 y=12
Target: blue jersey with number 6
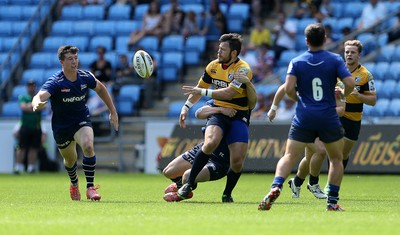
x=317 y=73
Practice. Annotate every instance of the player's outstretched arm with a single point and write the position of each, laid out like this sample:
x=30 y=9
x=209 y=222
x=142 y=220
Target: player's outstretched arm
x=40 y=99
x=205 y=111
x=280 y=93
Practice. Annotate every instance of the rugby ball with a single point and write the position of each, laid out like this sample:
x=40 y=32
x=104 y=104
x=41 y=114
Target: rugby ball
x=143 y=64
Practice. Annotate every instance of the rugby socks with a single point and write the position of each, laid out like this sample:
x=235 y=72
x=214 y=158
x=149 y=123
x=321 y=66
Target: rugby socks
x=178 y=181
x=231 y=180
x=199 y=162
x=345 y=163
x=278 y=182
x=333 y=193
x=73 y=176
x=313 y=180
x=298 y=181
x=89 y=167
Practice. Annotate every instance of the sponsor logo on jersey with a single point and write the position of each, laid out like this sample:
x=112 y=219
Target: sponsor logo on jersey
x=357 y=78
x=65 y=90
x=244 y=69
x=82 y=123
x=213 y=71
x=83 y=86
x=230 y=76
x=74 y=99
x=219 y=83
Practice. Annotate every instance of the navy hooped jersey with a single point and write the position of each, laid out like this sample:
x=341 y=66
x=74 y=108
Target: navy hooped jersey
x=317 y=73
x=68 y=99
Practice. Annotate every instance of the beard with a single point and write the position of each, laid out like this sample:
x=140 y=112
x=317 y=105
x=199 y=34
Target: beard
x=222 y=61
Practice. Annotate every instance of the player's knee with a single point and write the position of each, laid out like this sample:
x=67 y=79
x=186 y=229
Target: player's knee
x=88 y=150
x=210 y=146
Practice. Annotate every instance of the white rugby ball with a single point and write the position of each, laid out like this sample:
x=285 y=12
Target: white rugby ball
x=143 y=64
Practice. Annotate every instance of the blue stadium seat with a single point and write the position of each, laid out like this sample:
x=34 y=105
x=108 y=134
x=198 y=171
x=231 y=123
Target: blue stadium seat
x=171 y=65
x=119 y=12
x=50 y=72
x=140 y=10
x=393 y=108
x=396 y=54
x=380 y=107
x=386 y=53
x=17 y=92
x=33 y=74
x=72 y=12
x=112 y=57
x=106 y=28
x=82 y=42
x=393 y=71
x=93 y=12
x=105 y=41
x=172 y=43
x=18 y=27
x=126 y=27
x=174 y=109
x=128 y=99
x=11 y=109
x=10 y=13
x=194 y=49
x=41 y=60
x=301 y=42
x=28 y=12
x=302 y=23
x=353 y=9
x=86 y=58
x=369 y=42
x=342 y=23
x=337 y=9
x=62 y=28
x=286 y=57
x=5 y=29
x=149 y=43
x=52 y=43
x=387 y=89
x=84 y=28
x=396 y=92
x=121 y=44
x=380 y=70
x=238 y=13
x=20 y=2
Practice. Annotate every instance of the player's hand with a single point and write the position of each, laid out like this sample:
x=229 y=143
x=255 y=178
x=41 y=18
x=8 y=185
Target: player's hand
x=230 y=112
x=39 y=105
x=241 y=77
x=182 y=116
x=114 y=120
x=271 y=115
x=191 y=90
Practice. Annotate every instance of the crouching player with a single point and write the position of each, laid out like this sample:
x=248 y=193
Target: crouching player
x=217 y=167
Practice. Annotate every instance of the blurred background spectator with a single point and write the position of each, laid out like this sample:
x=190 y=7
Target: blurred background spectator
x=373 y=13
x=285 y=35
x=101 y=67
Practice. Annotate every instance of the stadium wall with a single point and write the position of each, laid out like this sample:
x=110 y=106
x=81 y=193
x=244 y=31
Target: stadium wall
x=376 y=152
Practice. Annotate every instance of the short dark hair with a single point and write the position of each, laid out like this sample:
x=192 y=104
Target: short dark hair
x=315 y=34
x=62 y=50
x=234 y=40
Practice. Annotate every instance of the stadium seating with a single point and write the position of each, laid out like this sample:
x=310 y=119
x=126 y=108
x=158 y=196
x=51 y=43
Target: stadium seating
x=105 y=28
x=380 y=107
x=172 y=43
x=174 y=109
x=380 y=70
x=387 y=89
x=93 y=12
x=126 y=27
x=52 y=43
x=11 y=109
x=11 y=13
x=393 y=71
x=5 y=28
x=121 y=44
x=197 y=8
x=72 y=12
x=393 y=108
x=33 y=74
x=128 y=100
x=286 y=57
x=140 y=10
x=86 y=58
x=105 y=41
x=386 y=53
x=119 y=12
x=194 y=48
x=84 y=28
x=18 y=91
x=40 y=60
x=82 y=42
x=171 y=65
x=149 y=43
x=238 y=14
x=62 y=28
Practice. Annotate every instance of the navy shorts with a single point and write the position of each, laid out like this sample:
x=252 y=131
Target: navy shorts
x=351 y=128
x=235 y=130
x=64 y=137
x=217 y=168
x=308 y=136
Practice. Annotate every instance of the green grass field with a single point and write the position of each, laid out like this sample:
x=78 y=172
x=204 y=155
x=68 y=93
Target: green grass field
x=133 y=204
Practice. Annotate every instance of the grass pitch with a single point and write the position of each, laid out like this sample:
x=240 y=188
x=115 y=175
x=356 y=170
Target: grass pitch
x=133 y=204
